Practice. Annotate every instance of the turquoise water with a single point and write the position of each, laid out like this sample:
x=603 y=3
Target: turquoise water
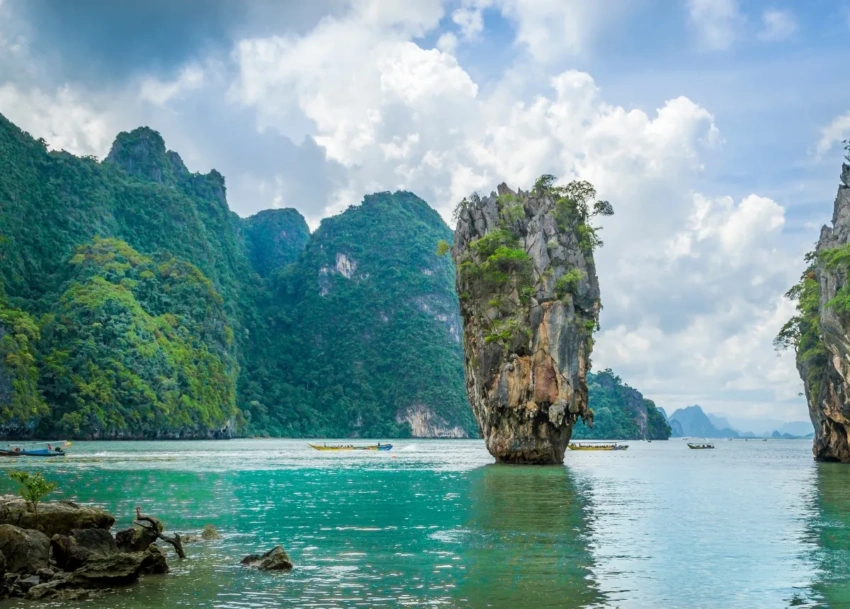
x=436 y=523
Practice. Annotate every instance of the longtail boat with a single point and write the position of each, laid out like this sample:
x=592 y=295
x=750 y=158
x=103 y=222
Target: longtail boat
x=377 y=446
x=45 y=449
x=598 y=446
x=700 y=446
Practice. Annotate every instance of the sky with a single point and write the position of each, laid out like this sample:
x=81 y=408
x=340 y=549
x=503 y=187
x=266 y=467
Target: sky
x=714 y=127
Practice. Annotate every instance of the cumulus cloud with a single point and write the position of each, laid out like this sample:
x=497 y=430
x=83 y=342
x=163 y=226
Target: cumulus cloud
x=833 y=133
x=716 y=22
x=777 y=25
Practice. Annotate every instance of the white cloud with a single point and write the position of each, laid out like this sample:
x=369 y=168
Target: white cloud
x=159 y=92
x=65 y=118
x=777 y=25
x=834 y=133
x=469 y=21
x=447 y=43
x=553 y=29
x=716 y=22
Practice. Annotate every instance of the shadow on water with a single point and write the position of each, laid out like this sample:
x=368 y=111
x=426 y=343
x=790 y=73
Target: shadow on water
x=528 y=538
x=829 y=537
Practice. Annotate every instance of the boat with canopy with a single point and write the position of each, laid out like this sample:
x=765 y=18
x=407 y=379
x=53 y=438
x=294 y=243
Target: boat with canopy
x=34 y=449
x=377 y=446
x=614 y=446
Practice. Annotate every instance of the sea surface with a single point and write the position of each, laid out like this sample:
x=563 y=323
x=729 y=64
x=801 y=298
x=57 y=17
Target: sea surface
x=436 y=523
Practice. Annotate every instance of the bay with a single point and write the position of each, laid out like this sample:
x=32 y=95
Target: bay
x=436 y=523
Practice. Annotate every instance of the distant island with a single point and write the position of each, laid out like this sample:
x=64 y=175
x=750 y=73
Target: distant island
x=693 y=422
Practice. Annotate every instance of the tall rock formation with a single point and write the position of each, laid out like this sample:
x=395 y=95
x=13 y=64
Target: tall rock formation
x=529 y=298
x=820 y=332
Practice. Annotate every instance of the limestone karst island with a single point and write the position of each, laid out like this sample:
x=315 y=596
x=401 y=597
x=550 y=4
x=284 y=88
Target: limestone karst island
x=308 y=305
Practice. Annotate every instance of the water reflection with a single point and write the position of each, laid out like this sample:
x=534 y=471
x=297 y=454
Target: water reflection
x=527 y=541
x=829 y=536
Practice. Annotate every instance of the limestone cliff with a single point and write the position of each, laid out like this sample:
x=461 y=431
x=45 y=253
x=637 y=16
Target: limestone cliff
x=820 y=332
x=529 y=298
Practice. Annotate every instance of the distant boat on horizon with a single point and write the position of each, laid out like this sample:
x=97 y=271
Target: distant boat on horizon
x=377 y=446
x=615 y=446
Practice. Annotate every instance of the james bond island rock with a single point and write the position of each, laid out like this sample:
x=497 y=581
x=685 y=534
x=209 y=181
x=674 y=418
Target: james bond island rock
x=529 y=298
x=820 y=332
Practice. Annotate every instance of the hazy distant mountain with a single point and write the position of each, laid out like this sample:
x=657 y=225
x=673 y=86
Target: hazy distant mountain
x=797 y=428
x=766 y=426
x=719 y=422
x=694 y=422
x=676 y=428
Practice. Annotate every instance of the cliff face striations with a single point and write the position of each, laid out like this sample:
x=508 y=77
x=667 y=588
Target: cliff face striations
x=529 y=298
x=820 y=332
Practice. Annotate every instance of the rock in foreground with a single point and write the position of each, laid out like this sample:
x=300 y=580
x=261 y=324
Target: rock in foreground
x=530 y=301
x=74 y=561
x=275 y=559
x=55 y=517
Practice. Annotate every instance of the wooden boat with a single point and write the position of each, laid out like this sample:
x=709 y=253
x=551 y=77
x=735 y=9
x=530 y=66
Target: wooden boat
x=33 y=450
x=700 y=446
x=598 y=446
x=377 y=446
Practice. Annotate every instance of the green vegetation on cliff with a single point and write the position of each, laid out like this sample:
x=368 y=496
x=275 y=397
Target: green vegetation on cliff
x=802 y=331
x=21 y=403
x=620 y=412
x=138 y=305
x=137 y=348
x=370 y=336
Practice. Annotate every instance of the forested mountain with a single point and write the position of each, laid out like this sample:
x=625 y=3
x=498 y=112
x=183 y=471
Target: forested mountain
x=620 y=412
x=136 y=304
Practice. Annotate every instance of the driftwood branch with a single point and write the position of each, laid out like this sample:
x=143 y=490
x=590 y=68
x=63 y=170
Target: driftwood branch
x=146 y=522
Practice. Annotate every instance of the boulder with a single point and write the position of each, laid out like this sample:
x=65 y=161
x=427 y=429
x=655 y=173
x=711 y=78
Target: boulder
x=26 y=551
x=70 y=552
x=2 y=564
x=54 y=517
x=119 y=569
x=275 y=559
x=210 y=533
x=135 y=539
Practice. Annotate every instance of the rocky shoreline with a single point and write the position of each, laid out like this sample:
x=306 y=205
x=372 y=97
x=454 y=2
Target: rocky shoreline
x=66 y=551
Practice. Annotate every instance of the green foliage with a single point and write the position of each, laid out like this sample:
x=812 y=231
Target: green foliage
x=443 y=247
x=543 y=184
x=34 y=487
x=846 y=151
x=138 y=347
x=575 y=205
x=568 y=283
x=510 y=208
x=352 y=351
x=487 y=245
x=620 y=412
x=502 y=331
x=21 y=403
x=274 y=238
x=802 y=331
